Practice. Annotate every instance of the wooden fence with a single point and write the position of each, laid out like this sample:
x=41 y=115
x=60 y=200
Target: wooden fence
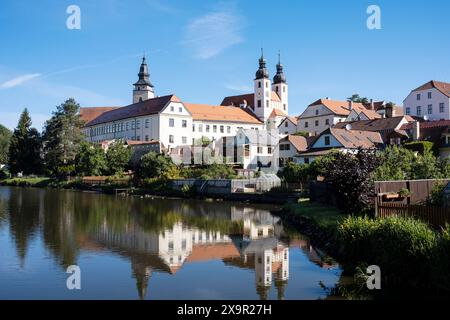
x=435 y=216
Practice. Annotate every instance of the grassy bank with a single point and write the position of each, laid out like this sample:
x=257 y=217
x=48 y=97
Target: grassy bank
x=391 y=243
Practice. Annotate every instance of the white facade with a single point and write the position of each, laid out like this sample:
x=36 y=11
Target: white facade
x=317 y=118
x=431 y=103
x=287 y=126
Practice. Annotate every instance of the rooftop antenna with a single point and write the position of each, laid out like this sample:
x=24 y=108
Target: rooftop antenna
x=279 y=56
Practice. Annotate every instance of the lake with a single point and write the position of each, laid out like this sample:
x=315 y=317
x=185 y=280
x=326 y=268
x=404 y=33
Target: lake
x=143 y=248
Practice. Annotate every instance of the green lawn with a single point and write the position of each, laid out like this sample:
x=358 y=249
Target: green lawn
x=324 y=216
x=37 y=181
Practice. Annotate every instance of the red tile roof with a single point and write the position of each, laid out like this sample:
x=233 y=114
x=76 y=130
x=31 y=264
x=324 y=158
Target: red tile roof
x=147 y=107
x=300 y=143
x=249 y=98
x=220 y=113
x=354 y=139
x=88 y=114
x=277 y=113
x=443 y=87
x=428 y=124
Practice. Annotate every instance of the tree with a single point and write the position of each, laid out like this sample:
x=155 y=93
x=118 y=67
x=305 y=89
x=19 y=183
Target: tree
x=90 y=160
x=155 y=165
x=295 y=173
x=118 y=157
x=5 y=139
x=25 y=147
x=351 y=176
x=62 y=138
x=356 y=98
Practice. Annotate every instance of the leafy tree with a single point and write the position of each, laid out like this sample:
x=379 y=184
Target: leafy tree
x=204 y=141
x=118 y=157
x=155 y=165
x=25 y=147
x=350 y=175
x=214 y=171
x=62 y=138
x=5 y=139
x=90 y=160
x=356 y=98
x=294 y=172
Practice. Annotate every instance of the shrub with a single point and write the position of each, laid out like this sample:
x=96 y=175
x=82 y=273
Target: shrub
x=441 y=265
x=436 y=197
x=393 y=244
x=422 y=147
x=294 y=172
x=155 y=165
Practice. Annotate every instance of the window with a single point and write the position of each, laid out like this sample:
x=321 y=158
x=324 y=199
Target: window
x=260 y=150
x=138 y=138
x=306 y=160
x=430 y=109
x=184 y=124
x=127 y=126
x=276 y=89
x=259 y=103
x=441 y=107
x=170 y=245
x=214 y=128
x=267 y=84
x=269 y=150
x=419 y=111
x=228 y=129
x=133 y=125
x=429 y=95
x=207 y=128
x=259 y=84
x=317 y=123
x=267 y=103
x=327 y=140
x=172 y=109
x=284 y=106
x=418 y=97
x=146 y=138
x=171 y=139
x=222 y=129
x=180 y=109
x=284 y=89
x=200 y=128
x=286 y=124
x=327 y=122
x=408 y=111
x=317 y=112
x=171 y=123
x=138 y=124
x=193 y=127
x=306 y=124
x=183 y=140
x=147 y=123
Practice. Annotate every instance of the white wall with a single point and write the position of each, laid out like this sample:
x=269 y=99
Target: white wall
x=181 y=135
x=310 y=117
x=437 y=97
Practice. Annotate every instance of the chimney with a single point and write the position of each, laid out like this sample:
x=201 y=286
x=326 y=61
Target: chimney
x=389 y=110
x=416 y=130
x=350 y=105
x=372 y=104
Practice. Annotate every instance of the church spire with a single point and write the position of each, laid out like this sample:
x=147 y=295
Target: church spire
x=143 y=88
x=279 y=77
x=262 y=72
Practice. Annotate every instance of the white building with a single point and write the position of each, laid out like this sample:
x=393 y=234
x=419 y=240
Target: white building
x=289 y=147
x=288 y=126
x=431 y=100
x=324 y=113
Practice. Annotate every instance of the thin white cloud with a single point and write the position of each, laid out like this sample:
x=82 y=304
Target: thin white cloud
x=210 y=34
x=239 y=88
x=17 y=81
x=160 y=6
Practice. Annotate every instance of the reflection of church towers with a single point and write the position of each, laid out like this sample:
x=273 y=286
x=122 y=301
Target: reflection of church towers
x=142 y=274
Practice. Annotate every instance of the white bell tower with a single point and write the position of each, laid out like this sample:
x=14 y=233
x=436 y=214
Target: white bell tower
x=143 y=89
x=280 y=86
x=263 y=92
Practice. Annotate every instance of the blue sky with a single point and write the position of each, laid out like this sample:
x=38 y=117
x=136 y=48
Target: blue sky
x=205 y=50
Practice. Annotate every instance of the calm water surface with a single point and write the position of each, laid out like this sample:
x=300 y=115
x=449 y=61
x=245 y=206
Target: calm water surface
x=132 y=248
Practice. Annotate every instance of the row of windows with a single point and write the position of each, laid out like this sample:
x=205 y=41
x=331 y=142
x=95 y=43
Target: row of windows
x=316 y=123
x=172 y=139
x=285 y=147
x=429 y=109
x=419 y=96
x=208 y=127
x=172 y=109
x=119 y=127
x=261 y=150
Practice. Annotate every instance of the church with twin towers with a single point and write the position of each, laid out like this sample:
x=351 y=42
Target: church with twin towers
x=173 y=122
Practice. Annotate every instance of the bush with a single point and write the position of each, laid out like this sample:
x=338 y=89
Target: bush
x=212 y=171
x=422 y=147
x=294 y=172
x=155 y=165
x=436 y=197
x=393 y=244
x=441 y=266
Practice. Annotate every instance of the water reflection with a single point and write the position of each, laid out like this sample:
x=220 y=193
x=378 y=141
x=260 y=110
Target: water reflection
x=155 y=236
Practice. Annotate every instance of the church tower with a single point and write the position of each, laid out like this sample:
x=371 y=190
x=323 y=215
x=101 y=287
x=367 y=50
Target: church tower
x=263 y=91
x=280 y=86
x=143 y=89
